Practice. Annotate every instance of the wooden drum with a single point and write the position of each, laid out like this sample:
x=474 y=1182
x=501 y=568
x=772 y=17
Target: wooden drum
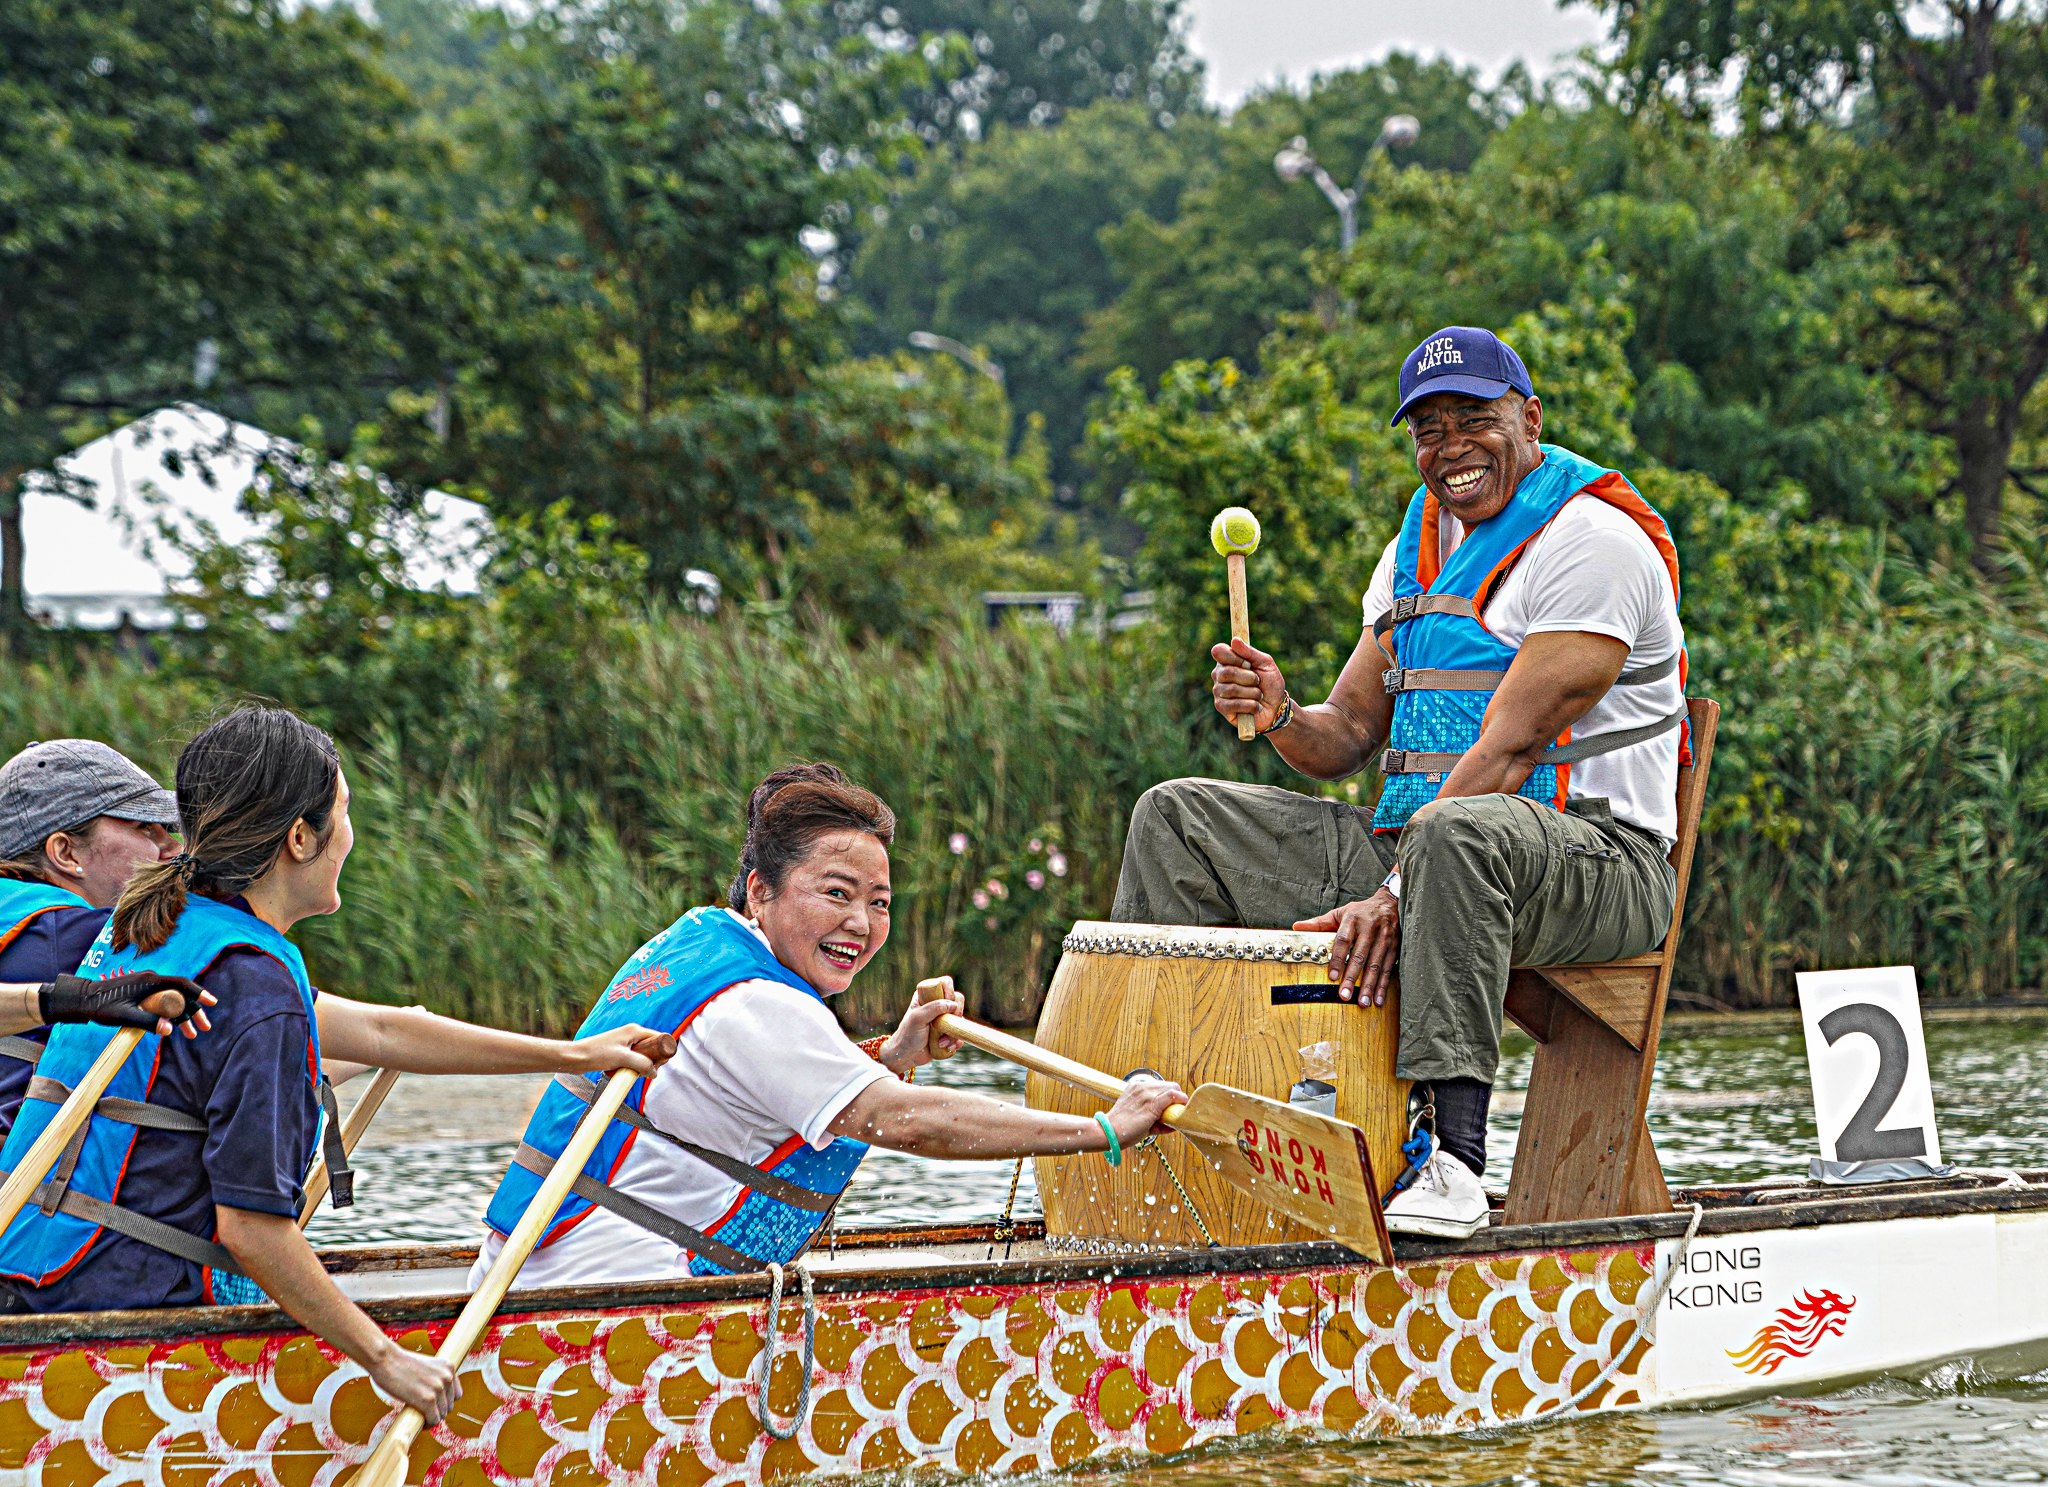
x=1201 y=1006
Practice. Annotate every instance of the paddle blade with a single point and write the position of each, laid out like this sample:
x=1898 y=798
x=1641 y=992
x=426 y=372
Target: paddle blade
x=1311 y=1167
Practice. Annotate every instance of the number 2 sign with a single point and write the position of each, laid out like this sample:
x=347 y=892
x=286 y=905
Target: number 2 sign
x=1872 y=1099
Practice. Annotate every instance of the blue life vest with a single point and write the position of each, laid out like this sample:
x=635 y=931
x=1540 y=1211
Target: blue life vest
x=1449 y=664
x=665 y=984
x=45 y=1241
x=21 y=901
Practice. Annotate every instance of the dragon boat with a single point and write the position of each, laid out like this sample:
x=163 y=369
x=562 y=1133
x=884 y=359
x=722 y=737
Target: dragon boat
x=960 y=1349
x=1155 y=1309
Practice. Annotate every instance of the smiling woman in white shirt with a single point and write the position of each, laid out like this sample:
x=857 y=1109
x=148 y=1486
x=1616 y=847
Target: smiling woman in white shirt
x=732 y=1155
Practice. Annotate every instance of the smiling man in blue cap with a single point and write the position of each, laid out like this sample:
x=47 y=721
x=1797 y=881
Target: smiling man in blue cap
x=1521 y=683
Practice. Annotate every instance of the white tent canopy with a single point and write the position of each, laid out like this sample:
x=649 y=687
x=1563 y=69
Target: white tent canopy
x=92 y=567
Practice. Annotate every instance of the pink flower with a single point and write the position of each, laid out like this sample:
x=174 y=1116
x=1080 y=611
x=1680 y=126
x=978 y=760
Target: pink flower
x=1058 y=863
x=1037 y=845
x=957 y=842
x=980 y=899
x=990 y=921
x=996 y=886
x=1034 y=879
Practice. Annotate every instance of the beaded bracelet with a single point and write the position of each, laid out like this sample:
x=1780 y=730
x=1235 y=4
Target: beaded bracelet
x=1286 y=716
x=872 y=1047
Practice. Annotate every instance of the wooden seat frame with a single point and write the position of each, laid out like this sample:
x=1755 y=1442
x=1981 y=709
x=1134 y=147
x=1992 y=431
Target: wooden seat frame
x=1585 y=1151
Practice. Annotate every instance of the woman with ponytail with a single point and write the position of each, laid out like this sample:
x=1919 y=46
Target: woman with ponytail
x=730 y=1158
x=201 y=1203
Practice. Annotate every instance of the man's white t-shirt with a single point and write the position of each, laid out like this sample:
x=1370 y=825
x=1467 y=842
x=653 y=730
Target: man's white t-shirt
x=761 y=1063
x=1592 y=569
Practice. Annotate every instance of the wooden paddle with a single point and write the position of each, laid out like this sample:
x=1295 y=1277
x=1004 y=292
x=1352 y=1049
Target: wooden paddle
x=29 y=1173
x=387 y=1464
x=1310 y=1167
x=353 y=1125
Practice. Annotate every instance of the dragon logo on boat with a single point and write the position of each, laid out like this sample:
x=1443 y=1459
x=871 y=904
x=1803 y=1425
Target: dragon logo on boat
x=1796 y=1333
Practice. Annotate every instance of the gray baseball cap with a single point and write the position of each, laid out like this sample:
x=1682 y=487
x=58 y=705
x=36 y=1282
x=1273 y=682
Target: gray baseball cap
x=66 y=782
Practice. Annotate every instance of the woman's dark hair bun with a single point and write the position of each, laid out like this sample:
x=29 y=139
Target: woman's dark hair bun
x=790 y=810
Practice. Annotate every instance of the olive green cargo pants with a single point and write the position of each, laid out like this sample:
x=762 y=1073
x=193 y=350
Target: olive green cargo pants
x=1487 y=882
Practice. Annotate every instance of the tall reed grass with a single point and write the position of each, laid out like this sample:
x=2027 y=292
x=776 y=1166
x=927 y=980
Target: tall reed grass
x=1880 y=795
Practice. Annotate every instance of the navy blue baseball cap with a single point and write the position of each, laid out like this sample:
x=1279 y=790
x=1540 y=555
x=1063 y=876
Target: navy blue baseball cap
x=1461 y=358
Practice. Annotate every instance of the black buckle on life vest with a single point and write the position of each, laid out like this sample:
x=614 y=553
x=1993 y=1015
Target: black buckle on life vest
x=1392 y=680
x=1394 y=761
x=1404 y=607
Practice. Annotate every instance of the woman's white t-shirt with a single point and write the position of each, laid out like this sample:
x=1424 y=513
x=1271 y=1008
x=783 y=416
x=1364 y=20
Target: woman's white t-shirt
x=1593 y=570
x=761 y=1063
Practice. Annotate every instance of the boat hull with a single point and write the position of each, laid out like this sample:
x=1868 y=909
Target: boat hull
x=1047 y=1361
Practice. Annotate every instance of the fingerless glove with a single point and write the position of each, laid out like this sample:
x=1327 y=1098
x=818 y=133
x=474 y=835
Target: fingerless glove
x=115 y=1001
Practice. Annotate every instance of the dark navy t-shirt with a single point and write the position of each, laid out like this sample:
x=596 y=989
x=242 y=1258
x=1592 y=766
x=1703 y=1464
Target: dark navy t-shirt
x=249 y=1078
x=49 y=945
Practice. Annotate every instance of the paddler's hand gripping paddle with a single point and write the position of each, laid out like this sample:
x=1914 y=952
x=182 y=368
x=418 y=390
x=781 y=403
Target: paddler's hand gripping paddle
x=1311 y=1167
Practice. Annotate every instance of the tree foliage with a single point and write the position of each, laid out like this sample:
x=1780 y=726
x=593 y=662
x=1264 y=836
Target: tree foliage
x=1942 y=167
x=196 y=199
x=1032 y=63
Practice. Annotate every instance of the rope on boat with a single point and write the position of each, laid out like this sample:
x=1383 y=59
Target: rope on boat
x=1647 y=1329
x=1006 y=1226
x=803 y=1396
x=1151 y=1144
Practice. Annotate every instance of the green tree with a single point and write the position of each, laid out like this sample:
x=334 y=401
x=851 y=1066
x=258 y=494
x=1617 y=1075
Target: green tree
x=1284 y=444
x=1943 y=166
x=1032 y=63
x=1001 y=247
x=197 y=201
x=666 y=355
x=1748 y=292
x=1216 y=279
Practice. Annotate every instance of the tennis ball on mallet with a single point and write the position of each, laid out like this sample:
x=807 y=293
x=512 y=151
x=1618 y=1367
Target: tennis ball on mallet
x=1235 y=530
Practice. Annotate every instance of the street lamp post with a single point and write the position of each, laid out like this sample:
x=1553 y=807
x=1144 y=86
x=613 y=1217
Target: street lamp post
x=925 y=340
x=1296 y=160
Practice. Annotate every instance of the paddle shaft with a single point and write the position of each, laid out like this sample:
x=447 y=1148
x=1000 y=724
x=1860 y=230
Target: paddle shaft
x=1240 y=629
x=387 y=1464
x=353 y=1125
x=73 y=1113
x=1039 y=1061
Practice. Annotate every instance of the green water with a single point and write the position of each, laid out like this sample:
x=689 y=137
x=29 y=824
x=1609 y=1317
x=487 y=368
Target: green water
x=1726 y=1107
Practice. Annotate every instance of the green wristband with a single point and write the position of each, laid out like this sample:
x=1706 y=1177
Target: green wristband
x=1116 y=1150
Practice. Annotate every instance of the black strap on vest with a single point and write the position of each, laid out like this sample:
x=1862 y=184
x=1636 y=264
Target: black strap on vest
x=610 y=1199
x=1422 y=679
x=746 y=1175
x=54 y=1194
x=1408 y=761
x=28 y=1050
x=341 y=1180
x=149 y=1231
x=1410 y=606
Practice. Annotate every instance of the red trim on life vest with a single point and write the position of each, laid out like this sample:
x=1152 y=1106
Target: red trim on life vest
x=1427 y=563
x=766 y=1164
x=156 y=1066
x=563 y=1226
x=9 y=937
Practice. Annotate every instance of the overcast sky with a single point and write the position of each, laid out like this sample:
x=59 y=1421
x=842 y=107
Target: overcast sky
x=1248 y=42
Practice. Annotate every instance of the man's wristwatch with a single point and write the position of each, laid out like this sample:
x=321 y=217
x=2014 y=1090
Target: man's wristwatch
x=1393 y=884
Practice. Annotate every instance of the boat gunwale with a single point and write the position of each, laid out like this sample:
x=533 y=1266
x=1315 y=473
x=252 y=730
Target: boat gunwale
x=1732 y=1208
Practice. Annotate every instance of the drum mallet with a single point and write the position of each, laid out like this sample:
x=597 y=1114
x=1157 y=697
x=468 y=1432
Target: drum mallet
x=1235 y=534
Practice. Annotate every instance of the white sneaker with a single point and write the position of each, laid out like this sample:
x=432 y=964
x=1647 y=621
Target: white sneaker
x=1445 y=1202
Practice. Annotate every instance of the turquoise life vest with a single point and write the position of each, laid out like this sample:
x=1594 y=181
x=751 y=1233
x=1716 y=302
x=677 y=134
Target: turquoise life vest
x=783 y=1199
x=21 y=901
x=67 y=1213
x=1449 y=664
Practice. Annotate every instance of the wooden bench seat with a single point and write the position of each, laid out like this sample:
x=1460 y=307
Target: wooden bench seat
x=1585 y=1149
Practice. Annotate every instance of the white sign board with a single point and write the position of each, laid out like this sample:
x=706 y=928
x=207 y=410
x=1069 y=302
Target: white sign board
x=1872 y=1098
